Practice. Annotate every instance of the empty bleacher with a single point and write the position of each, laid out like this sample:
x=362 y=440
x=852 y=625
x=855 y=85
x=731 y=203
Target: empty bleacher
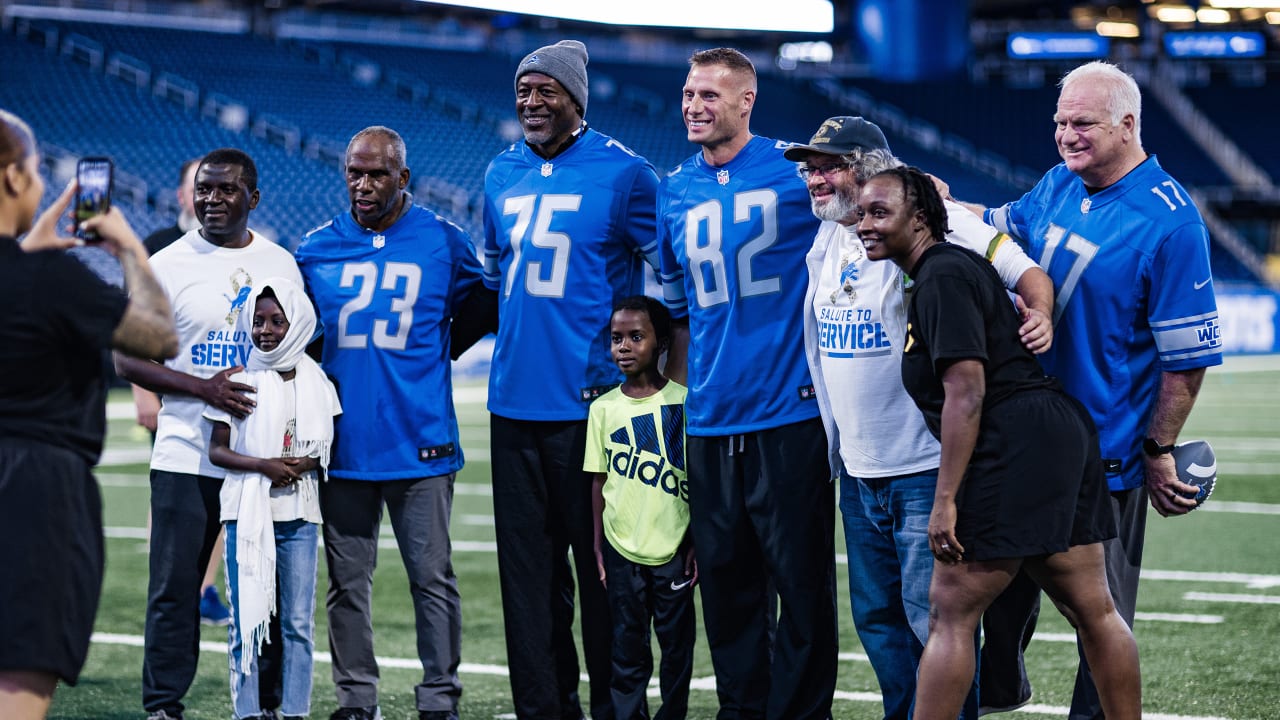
x=151 y=97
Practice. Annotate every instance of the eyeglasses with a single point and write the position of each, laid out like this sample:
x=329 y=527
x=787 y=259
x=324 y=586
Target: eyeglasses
x=826 y=171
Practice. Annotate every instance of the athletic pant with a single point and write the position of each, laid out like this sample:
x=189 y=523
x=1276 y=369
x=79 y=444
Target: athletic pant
x=640 y=595
x=763 y=509
x=542 y=508
x=419 y=510
x=184 y=527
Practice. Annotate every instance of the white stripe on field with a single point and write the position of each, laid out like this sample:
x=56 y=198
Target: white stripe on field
x=1241 y=508
x=1139 y=616
x=703 y=683
x=1227 y=469
x=1233 y=598
x=1253 y=582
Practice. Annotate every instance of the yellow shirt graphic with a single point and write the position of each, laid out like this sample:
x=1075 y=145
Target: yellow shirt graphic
x=639 y=445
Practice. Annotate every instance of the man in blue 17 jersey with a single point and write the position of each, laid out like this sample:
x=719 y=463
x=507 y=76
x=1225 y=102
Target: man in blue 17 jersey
x=1136 y=323
x=387 y=279
x=569 y=223
x=734 y=227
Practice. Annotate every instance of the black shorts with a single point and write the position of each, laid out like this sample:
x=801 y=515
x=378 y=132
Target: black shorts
x=51 y=576
x=1035 y=484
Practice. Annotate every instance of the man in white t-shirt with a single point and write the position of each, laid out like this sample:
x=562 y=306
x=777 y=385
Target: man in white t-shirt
x=855 y=320
x=207 y=274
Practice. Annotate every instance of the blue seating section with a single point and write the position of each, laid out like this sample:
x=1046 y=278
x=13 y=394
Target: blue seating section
x=1018 y=123
x=456 y=110
x=1247 y=116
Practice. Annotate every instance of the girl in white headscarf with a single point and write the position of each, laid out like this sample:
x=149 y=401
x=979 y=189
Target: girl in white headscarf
x=270 y=503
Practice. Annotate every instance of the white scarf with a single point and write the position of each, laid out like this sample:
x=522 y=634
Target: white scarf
x=261 y=435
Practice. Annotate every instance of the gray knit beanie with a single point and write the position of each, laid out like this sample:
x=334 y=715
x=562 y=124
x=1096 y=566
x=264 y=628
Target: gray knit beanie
x=566 y=62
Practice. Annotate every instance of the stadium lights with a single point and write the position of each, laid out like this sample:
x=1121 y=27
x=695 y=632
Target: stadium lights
x=815 y=16
x=1213 y=16
x=1239 y=4
x=1175 y=14
x=1108 y=28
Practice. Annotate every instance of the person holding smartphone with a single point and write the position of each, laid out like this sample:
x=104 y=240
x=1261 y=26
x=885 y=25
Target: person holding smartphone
x=60 y=319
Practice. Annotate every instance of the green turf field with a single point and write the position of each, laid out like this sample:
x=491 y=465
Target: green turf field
x=1208 y=625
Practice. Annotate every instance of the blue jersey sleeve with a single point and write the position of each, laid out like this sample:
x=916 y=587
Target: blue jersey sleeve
x=671 y=274
x=640 y=214
x=1182 y=310
x=468 y=270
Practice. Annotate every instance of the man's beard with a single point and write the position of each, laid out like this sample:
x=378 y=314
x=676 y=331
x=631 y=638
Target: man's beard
x=835 y=208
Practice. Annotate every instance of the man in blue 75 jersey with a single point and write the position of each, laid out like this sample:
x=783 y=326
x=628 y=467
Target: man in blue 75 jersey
x=387 y=278
x=569 y=225
x=1135 y=316
x=734 y=226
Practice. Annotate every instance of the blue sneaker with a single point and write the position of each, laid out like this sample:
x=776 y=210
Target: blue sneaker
x=212 y=611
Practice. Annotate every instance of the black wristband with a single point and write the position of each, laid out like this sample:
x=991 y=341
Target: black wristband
x=1151 y=448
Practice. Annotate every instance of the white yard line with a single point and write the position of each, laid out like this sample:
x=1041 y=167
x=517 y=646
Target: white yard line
x=1233 y=598
x=700 y=684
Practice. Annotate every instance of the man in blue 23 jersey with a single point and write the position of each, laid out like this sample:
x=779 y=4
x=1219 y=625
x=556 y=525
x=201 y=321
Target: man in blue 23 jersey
x=1136 y=324
x=569 y=220
x=734 y=227
x=388 y=278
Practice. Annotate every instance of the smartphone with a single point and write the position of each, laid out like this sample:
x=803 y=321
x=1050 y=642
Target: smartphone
x=93 y=192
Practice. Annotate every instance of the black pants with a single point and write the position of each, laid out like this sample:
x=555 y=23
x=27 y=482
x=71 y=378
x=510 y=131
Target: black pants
x=762 y=509
x=541 y=508
x=638 y=596
x=184 y=527
x=1011 y=620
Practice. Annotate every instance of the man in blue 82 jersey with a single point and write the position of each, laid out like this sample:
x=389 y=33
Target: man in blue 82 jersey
x=387 y=277
x=1135 y=316
x=569 y=223
x=734 y=227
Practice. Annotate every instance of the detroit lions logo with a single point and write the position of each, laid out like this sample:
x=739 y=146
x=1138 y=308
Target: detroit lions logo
x=848 y=276
x=241 y=285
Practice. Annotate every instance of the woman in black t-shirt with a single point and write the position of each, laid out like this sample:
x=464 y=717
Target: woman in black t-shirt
x=58 y=320
x=1020 y=482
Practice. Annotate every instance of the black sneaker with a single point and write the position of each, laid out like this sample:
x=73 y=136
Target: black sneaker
x=357 y=713
x=164 y=715
x=437 y=715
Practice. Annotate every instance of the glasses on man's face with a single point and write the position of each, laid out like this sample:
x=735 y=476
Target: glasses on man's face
x=826 y=171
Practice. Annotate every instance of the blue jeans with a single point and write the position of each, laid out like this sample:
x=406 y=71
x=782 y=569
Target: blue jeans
x=886 y=534
x=296 y=549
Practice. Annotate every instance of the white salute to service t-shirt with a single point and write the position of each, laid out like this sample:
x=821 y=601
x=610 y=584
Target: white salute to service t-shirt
x=207 y=286
x=855 y=332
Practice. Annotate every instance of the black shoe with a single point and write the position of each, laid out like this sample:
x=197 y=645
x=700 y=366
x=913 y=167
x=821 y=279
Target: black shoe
x=357 y=713
x=437 y=715
x=164 y=715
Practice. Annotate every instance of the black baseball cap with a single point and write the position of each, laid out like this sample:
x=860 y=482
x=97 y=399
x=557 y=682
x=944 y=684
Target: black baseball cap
x=840 y=136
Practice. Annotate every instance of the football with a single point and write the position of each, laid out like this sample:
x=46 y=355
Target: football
x=1196 y=465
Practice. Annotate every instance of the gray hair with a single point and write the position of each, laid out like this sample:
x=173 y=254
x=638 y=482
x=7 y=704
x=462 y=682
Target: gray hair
x=868 y=162
x=394 y=141
x=1123 y=95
